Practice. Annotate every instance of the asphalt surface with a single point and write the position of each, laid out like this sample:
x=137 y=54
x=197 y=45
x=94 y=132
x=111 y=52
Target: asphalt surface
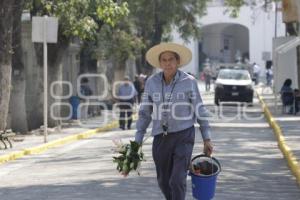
x=252 y=166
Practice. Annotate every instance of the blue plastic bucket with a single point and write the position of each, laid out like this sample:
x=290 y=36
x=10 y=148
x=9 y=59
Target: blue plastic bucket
x=204 y=186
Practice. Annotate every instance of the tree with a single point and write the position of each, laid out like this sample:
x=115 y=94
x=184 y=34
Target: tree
x=77 y=19
x=6 y=8
x=119 y=44
x=155 y=20
x=17 y=103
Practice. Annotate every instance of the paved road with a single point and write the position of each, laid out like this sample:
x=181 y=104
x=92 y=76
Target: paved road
x=253 y=167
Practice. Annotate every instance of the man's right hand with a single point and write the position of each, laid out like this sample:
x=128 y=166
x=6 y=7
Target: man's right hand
x=208 y=148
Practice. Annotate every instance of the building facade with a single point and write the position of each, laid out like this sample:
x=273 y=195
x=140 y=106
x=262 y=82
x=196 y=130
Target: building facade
x=225 y=39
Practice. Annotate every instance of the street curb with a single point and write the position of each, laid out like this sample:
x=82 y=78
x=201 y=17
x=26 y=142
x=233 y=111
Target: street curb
x=285 y=149
x=59 y=142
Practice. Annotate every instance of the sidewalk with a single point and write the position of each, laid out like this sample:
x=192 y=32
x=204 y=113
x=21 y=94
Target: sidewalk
x=108 y=120
x=289 y=127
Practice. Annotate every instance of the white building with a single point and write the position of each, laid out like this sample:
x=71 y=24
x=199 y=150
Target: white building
x=224 y=38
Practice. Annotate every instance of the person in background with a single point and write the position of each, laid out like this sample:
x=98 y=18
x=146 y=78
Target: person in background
x=85 y=91
x=207 y=76
x=142 y=78
x=138 y=87
x=256 y=72
x=269 y=77
x=269 y=73
x=127 y=97
x=287 y=94
x=174 y=132
x=297 y=100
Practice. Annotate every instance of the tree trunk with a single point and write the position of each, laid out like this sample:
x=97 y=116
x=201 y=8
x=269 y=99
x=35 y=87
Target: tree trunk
x=17 y=101
x=158 y=27
x=34 y=91
x=5 y=59
x=146 y=68
x=155 y=39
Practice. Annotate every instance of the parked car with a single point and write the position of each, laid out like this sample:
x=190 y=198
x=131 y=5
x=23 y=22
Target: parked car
x=233 y=85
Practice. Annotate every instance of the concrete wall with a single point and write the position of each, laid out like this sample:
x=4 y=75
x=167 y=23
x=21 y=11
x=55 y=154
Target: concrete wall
x=285 y=65
x=71 y=66
x=34 y=80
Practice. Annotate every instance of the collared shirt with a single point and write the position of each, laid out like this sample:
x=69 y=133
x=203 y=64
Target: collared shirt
x=256 y=69
x=184 y=108
x=126 y=91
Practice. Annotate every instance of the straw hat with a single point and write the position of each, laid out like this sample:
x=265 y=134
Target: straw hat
x=152 y=55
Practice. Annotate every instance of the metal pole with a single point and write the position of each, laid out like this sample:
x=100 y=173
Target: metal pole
x=276 y=17
x=45 y=81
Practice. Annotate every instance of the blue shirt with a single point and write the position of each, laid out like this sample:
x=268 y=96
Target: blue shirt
x=184 y=108
x=126 y=92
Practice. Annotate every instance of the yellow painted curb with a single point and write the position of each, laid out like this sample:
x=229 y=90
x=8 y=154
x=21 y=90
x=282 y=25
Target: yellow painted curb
x=285 y=149
x=11 y=156
x=59 y=142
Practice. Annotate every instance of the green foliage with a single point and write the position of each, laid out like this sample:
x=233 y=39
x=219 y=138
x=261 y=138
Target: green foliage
x=155 y=19
x=188 y=16
x=233 y=6
x=130 y=157
x=111 y=12
x=119 y=42
x=80 y=18
x=120 y=34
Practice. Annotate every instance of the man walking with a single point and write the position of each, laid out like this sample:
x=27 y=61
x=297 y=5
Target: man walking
x=172 y=101
x=85 y=91
x=127 y=97
x=207 y=76
x=256 y=72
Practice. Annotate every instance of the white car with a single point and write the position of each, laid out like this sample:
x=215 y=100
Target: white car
x=233 y=85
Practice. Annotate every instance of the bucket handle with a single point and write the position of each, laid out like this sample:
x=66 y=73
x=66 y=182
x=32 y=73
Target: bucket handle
x=212 y=158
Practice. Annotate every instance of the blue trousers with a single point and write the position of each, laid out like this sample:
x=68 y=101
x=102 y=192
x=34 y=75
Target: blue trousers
x=172 y=155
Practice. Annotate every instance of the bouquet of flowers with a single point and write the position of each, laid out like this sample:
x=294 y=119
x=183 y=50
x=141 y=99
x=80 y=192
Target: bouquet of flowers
x=130 y=157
